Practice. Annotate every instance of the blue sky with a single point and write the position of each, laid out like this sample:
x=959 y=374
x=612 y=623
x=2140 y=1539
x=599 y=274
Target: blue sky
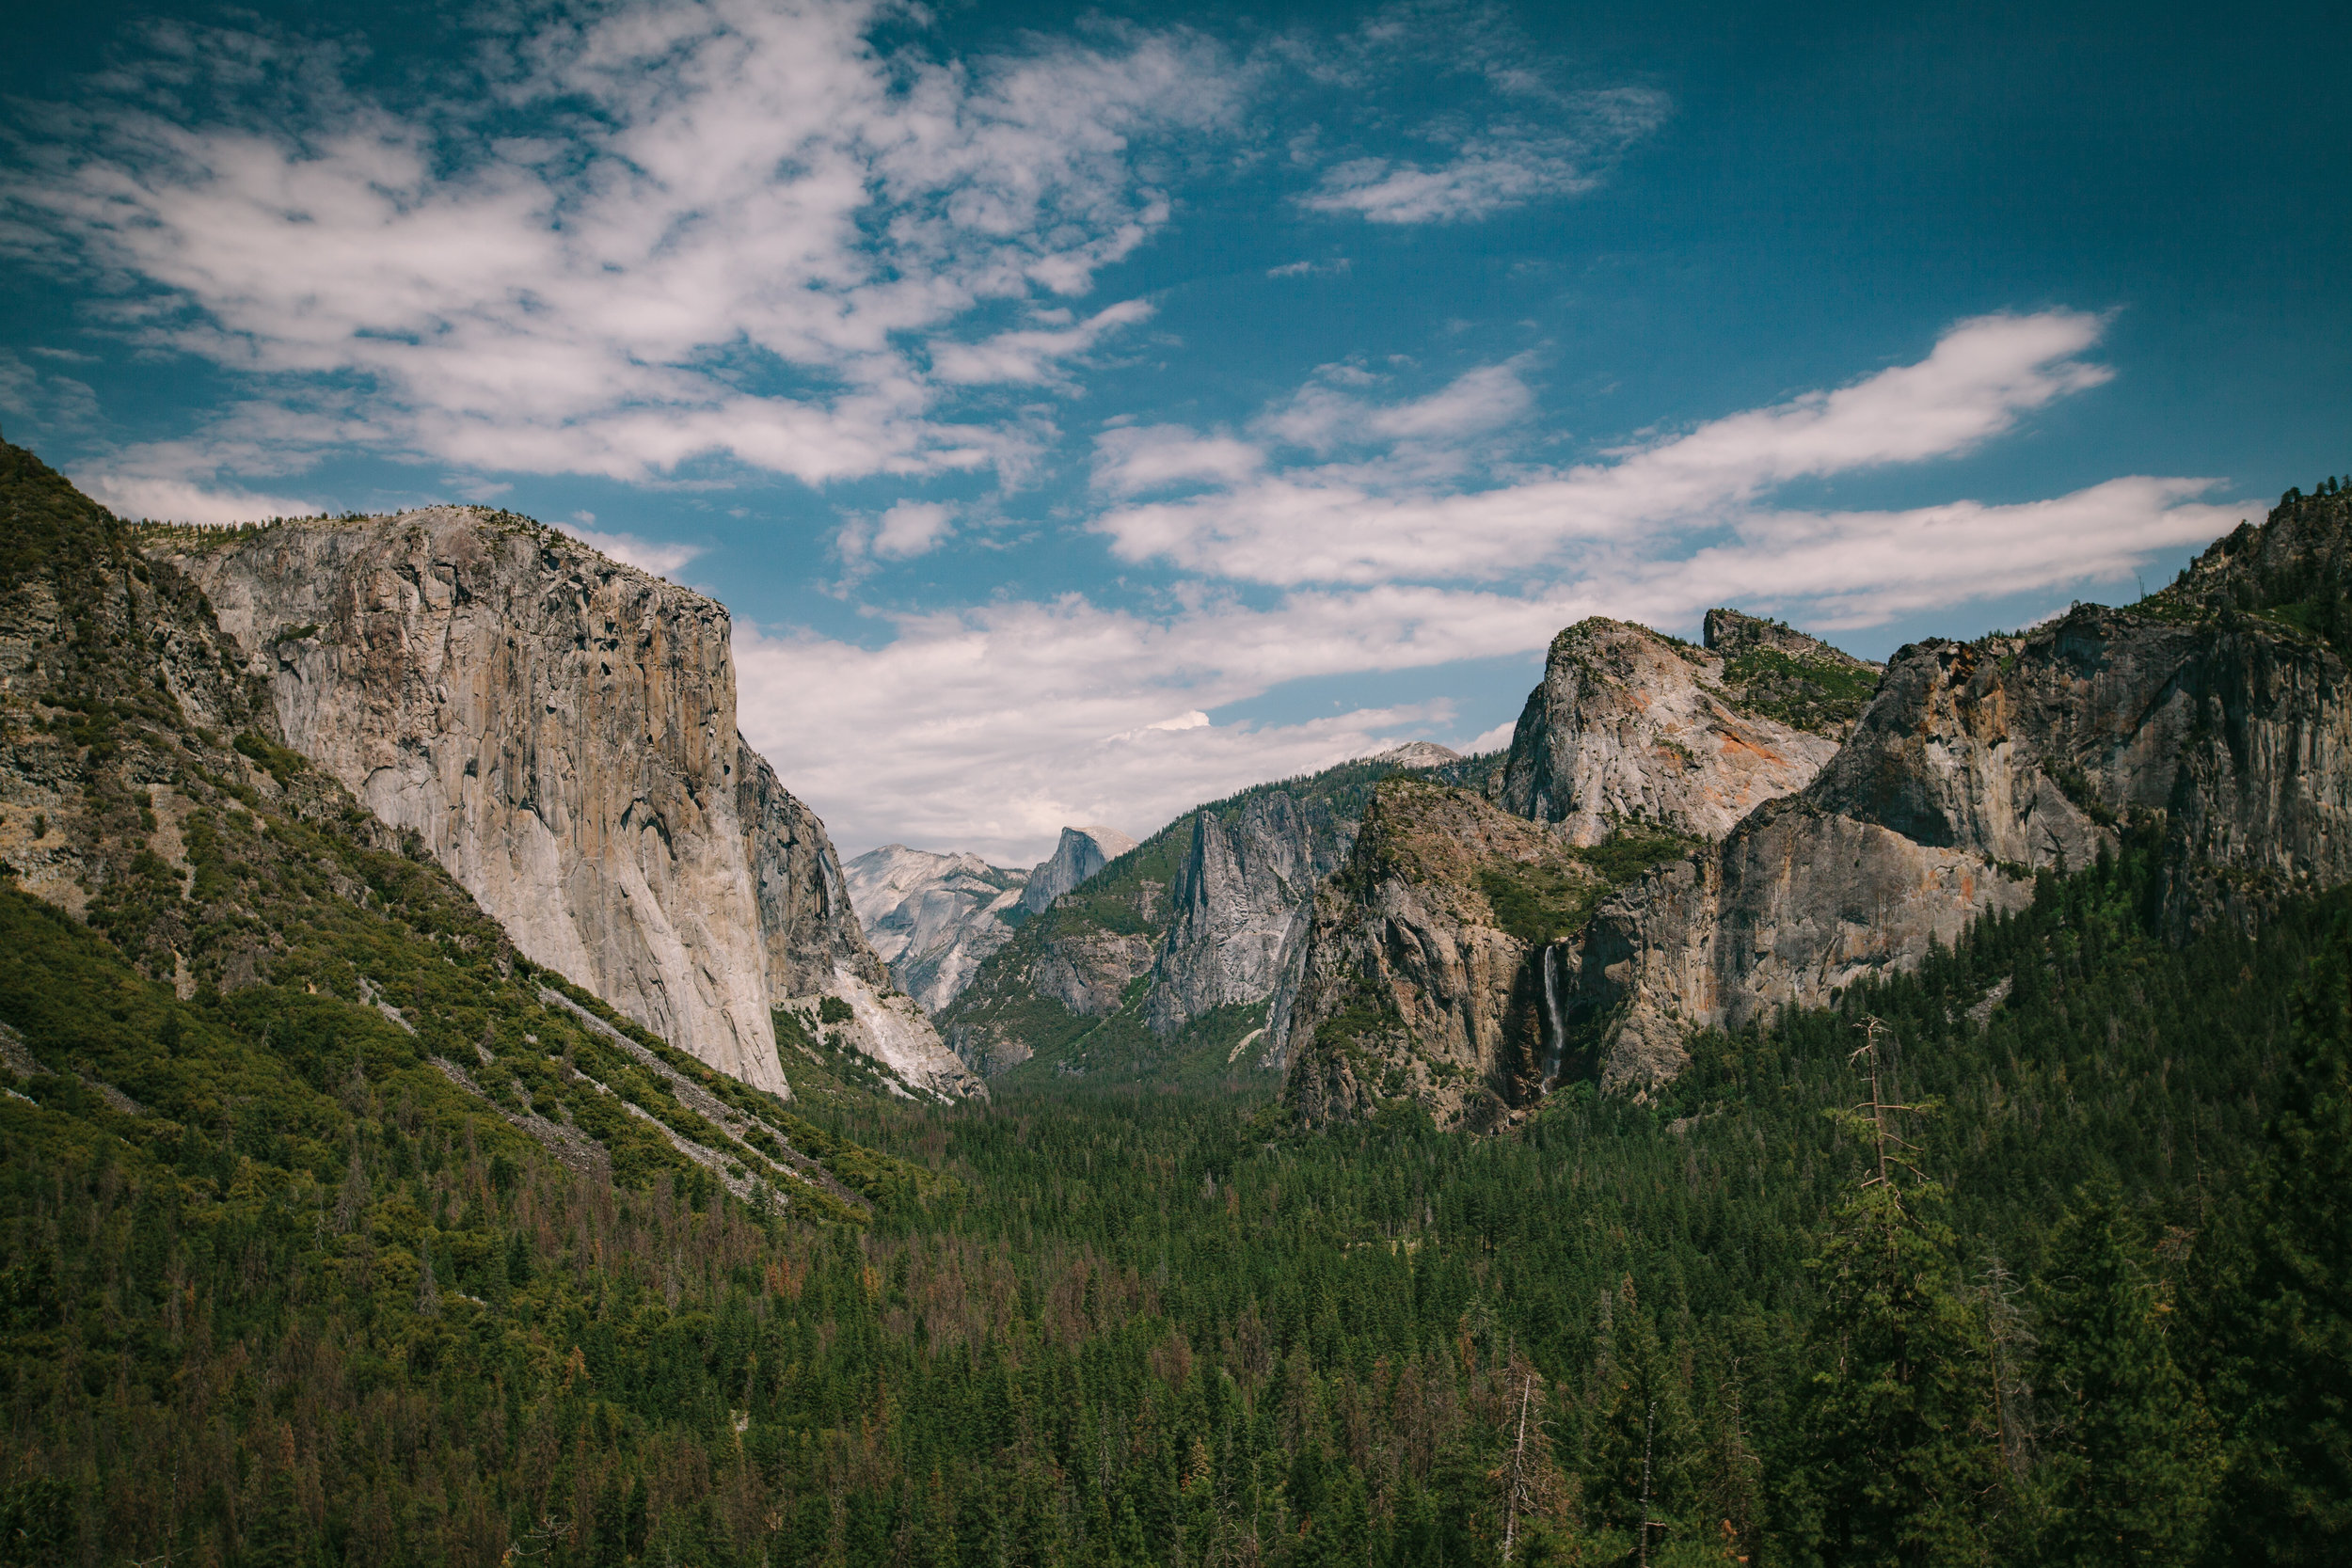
x=1087 y=410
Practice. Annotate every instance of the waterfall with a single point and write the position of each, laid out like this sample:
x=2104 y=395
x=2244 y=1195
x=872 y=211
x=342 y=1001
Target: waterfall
x=1555 y=1035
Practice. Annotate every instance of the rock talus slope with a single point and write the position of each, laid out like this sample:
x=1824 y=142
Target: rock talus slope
x=559 y=729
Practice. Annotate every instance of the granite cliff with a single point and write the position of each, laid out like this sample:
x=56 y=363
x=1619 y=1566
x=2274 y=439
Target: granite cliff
x=2212 y=718
x=1629 y=725
x=1241 y=904
x=1180 y=946
x=1422 y=976
x=933 y=918
x=1635 y=750
x=244 y=943
x=558 y=729
x=2214 y=715
x=1081 y=853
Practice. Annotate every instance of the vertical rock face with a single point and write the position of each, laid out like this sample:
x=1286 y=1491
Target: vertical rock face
x=932 y=918
x=1422 y=975
x=2214 y=713
x=1210 y=913
x=814 y=947
x=1632 y=726
x=1081 y=853
x=1241 y=899
x=559 y=729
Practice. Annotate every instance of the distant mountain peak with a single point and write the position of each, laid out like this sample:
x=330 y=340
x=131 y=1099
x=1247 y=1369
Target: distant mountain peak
x=1417 y=754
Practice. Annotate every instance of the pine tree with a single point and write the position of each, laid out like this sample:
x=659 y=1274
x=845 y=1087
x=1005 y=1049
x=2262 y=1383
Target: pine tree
x=2287 y=1374
x=2131 y=1451
x=1642 y=1450
x=1897 y=1456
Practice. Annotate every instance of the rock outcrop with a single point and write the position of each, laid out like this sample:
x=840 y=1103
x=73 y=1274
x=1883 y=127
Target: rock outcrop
x=1165 y=948
x=932 y=918
x=1081 y=853
x=1423 y=976
x=2215 y=715
x=559 y=730
x=816 y=949
x=1241 y=901
x=1630 y=726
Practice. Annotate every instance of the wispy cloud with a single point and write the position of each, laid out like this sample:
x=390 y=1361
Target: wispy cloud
x=734 y=219
x=1005 y=720
x=1131 y=460
x=1363 y=522
x=1506 y=166
x=1526 y=137
x=659 y=558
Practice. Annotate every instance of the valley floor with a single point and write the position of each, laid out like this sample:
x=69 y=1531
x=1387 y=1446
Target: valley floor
x=2096 y=1313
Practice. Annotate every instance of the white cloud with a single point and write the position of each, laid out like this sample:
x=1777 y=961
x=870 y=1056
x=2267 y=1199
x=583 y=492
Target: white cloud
x=993 y=729
x=909 y=528
x=44 y=399
x=1308 y=269
x=1321 y=417
x=1131 y=460
x=663 y=559
x=172 y=500
x=1034 y=355
x=986 y=727
x=732 y=195
x=1191 y=721
x=1506 y=167
x=1370 y=523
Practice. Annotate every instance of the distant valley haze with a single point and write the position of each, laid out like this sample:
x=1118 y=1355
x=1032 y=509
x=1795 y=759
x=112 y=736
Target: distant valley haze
x=1086 y=411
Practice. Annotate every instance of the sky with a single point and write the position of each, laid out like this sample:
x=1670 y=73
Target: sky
x=1086 y=410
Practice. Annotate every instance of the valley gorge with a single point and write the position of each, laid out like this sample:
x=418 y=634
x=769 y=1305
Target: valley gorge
x=1188 y=942
x=1330 y=1130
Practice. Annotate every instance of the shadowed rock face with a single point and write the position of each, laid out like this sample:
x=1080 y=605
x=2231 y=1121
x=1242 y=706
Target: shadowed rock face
x=2212 y=713
x=1081 y=853
x=1629 y=725
x=1411 y=984
x=932 y=918
x=1211 y=912
x=816 y=947
x=559 y=729
x=1241 y=903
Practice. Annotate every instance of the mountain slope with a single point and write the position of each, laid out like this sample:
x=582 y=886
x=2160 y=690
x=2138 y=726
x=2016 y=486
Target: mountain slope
x=1179 y=946
x=224 y=888
x=2218 y=708
x=2216 y=714
x=1080 y=854
x=932 y=918
x=317 y=1263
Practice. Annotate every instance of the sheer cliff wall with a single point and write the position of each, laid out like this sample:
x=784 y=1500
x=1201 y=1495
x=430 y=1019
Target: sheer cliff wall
x=560 y=730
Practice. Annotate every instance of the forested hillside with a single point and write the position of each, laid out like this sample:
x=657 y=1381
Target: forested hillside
x=2096 y=1308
